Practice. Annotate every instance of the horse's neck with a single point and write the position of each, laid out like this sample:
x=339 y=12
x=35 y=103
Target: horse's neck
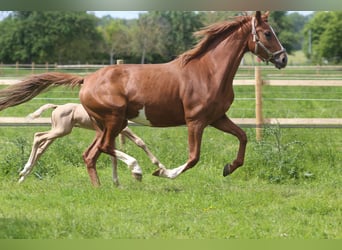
x=226 y=58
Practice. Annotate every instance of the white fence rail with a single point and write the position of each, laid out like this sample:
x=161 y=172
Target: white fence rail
x=243 y=122
x=321 y=76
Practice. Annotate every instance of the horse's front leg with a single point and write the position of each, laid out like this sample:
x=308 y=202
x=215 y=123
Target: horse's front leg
x=195 y=132
x=226 y=125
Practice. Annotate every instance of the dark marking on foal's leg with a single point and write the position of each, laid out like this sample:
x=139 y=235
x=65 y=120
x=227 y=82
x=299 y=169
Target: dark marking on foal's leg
x=226 y=170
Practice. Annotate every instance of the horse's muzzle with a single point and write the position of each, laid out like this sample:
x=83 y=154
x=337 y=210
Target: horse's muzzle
x=280 y=61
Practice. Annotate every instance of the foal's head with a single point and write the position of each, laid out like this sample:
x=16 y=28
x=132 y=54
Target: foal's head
x=264 y=42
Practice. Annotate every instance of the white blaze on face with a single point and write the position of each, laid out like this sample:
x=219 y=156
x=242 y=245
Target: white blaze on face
x=141 y=118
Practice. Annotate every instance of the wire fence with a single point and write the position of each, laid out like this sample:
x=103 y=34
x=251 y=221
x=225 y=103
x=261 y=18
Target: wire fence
x=244 y=72
x=305 y=92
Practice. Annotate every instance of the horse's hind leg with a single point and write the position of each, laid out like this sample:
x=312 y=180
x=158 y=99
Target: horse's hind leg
x=90 y=157
x=131 y=162
x=103 y=142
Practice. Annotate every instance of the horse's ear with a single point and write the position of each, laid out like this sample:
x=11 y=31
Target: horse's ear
x=258 y=16
x=266 y=15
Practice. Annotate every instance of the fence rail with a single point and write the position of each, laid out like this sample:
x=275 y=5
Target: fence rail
x=243 y=122
x=247 y=75
x=248 y=82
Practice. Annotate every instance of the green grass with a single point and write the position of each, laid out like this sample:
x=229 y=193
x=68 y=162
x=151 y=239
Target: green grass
x=199 y=204
x=288 y=102
x=192 y=207
x=288 y=188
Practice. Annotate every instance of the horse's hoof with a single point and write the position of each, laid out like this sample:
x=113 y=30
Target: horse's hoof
x=226 y=170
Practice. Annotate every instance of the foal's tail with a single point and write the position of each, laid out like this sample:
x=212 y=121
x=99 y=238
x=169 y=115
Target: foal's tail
x=39 y=111
x=33 y=85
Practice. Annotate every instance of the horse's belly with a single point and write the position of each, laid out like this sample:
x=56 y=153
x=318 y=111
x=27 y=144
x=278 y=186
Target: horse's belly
x=141 y=118
x=159 y=116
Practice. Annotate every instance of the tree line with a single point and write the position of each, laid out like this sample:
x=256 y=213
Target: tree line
x=156 y=36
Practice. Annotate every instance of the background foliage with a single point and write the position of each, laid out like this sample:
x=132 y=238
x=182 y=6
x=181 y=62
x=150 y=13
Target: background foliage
x=156 y=36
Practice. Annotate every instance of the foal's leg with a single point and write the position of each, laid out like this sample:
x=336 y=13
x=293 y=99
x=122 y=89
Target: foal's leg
x=140 y=143
x=115 y=171
x=226 y=125
x=195 y=132
x=40 y=143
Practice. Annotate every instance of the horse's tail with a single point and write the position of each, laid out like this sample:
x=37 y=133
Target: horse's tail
x=39 y=111
x=33 y=85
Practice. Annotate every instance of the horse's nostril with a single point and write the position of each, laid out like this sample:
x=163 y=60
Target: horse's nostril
x=284 y=59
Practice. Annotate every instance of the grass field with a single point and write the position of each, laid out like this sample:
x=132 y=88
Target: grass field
x=57 y=200
x=289 y=187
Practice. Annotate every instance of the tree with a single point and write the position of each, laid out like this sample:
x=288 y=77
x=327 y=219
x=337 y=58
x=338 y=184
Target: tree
x=284 y=29
x=181 y=26
x=160 y=36
x=210 y=17
x=116 y=37
x=49 y=36
x=323 y=37
x=147 y=36
x=330 y=43
x=296 y=23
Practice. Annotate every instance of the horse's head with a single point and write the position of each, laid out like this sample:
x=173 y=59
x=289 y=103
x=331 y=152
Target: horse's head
x=264 y=42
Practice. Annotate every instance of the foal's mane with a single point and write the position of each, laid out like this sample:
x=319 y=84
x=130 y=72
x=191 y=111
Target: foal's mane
x=210 y=34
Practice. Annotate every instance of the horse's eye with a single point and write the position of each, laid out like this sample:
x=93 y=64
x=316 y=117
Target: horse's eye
x=268 y=34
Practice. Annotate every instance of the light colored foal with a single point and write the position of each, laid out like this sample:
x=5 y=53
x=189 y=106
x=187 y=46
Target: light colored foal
x=63 y=119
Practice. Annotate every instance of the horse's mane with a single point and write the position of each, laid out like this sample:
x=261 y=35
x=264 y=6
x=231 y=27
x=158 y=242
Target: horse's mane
x=210 y=34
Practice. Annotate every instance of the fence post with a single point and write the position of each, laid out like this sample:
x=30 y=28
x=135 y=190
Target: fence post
x=122 y=140
x=32 y=67
x=258 y=103
x=119 y=61
x=16 y=67
x=46 y=66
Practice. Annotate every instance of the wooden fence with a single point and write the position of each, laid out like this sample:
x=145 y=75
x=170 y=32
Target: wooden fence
x=258 y=122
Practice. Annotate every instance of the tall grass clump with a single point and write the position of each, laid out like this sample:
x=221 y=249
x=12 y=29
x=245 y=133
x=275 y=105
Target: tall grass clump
x=278 y=160
x=17 y=154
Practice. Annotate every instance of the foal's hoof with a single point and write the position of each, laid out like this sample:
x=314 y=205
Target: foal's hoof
x=226 y=170
x=157 y=172
x=137 y=176
x=21 y=179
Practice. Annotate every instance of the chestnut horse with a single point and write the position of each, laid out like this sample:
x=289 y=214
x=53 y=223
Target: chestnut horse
x=195 y=89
